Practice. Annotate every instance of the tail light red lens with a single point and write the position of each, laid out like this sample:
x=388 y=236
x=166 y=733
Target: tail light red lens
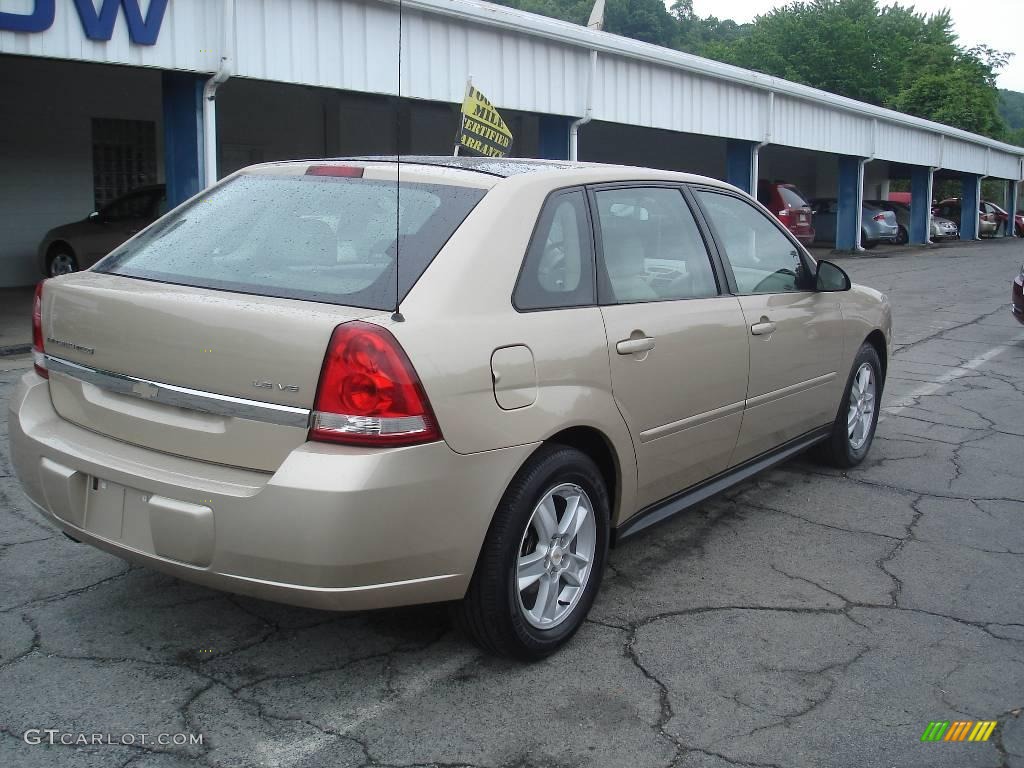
x=369 y=393
x=784 y=214
x=38 y=358
x=879 y=217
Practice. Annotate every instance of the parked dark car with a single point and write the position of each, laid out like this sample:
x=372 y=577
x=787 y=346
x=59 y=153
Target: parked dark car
x=1017 y=296
x=876 y=226
x=950 y=209
x=80 y=244
x=790 y=206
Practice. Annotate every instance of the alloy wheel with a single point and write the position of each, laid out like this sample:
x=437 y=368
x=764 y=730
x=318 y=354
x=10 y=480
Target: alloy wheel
x=62 y=264
x=556 y=556
x=862 y=406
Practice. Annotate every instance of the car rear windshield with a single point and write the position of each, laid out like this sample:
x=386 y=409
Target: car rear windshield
x=792 y=196
x=319 y=238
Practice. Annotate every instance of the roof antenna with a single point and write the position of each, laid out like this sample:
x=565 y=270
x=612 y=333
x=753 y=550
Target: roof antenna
x=396 y=316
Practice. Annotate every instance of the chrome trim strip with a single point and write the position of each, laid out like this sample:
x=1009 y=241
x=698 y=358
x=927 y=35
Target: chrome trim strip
x=691 y=421
x=792 y=389
x=182 y=397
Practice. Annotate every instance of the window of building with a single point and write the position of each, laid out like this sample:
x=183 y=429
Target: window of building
x=123 y=157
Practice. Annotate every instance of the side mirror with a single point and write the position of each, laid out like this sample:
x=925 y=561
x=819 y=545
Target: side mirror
x=831 y=278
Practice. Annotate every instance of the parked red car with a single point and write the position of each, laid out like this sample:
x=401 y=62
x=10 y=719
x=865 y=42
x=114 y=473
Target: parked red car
x=1017 y=296
x=790 y=206
x=1000 y=216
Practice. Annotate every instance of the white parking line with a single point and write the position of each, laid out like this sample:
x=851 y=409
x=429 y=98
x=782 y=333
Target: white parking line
x=283 y=753
x=953 y=374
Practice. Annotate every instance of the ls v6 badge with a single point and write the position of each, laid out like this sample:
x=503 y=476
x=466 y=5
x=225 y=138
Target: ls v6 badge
x=279 y=387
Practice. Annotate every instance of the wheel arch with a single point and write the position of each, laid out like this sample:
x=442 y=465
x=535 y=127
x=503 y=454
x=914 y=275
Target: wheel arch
x=595 y=444
x=58 y=245
x=877 y=340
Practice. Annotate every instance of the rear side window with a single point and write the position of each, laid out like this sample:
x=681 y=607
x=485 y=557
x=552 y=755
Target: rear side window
x=328 y=239
x=651 y=247
x=558 y=270
x=791 y=196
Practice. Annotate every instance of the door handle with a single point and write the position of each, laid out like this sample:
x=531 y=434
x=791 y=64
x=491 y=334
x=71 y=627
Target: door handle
x=632 y=346
x=763 y=328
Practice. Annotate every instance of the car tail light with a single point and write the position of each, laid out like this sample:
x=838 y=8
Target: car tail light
x=879 y=217
x=38 y=358
x=369 y=393
x=345 y=171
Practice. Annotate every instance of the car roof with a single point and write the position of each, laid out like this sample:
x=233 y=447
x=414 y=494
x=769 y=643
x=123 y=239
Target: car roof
x=494 y=166
x=490 y=171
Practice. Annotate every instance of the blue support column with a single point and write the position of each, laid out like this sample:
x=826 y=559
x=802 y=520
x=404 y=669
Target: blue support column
x=1011 y=203
x=920 y=204
x=848 y=213
x=553 y=137
x=739 y=163
x=183 y=135
x=969 y=202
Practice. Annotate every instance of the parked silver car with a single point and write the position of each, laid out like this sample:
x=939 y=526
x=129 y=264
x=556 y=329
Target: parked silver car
x=940 y=229
x=877 y=226
x=944 y=229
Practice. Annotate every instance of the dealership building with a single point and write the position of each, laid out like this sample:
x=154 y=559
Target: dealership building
x=100 y=97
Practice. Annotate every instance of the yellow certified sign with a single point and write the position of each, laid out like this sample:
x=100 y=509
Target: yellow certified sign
x=483 y=132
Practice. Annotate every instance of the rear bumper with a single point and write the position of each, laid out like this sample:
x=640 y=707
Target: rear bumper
x=805 y=234
x=334 y=527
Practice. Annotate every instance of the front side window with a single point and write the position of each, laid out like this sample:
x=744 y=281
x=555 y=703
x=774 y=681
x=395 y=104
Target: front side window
x=651 y=248
x=330 y=239
x=136 y=206
x=558 y=270
x=763 y=260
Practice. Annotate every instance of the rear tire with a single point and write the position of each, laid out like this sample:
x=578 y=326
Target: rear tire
x=902 y=236
x=495 y=613
x=865 y=243
x=854 y=428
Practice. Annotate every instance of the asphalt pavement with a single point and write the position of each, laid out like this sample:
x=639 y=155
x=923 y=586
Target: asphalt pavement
x=806 y=618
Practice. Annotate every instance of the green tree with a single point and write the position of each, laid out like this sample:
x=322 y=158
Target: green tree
x=893 y=57
x=1011 y=109
x=962 y=95
x=646 y=20
x=576 y=11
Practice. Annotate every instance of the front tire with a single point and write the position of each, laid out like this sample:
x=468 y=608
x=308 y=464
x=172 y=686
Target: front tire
x=542 y=561
x=854 y=427
x=61 y=261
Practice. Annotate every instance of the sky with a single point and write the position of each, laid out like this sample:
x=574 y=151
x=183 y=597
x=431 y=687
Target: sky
x=996 y=23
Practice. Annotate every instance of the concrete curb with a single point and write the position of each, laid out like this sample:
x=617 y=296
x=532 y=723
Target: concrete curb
x=15 y=349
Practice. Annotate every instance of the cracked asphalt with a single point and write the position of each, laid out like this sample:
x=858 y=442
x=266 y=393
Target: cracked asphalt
x=808 y=617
